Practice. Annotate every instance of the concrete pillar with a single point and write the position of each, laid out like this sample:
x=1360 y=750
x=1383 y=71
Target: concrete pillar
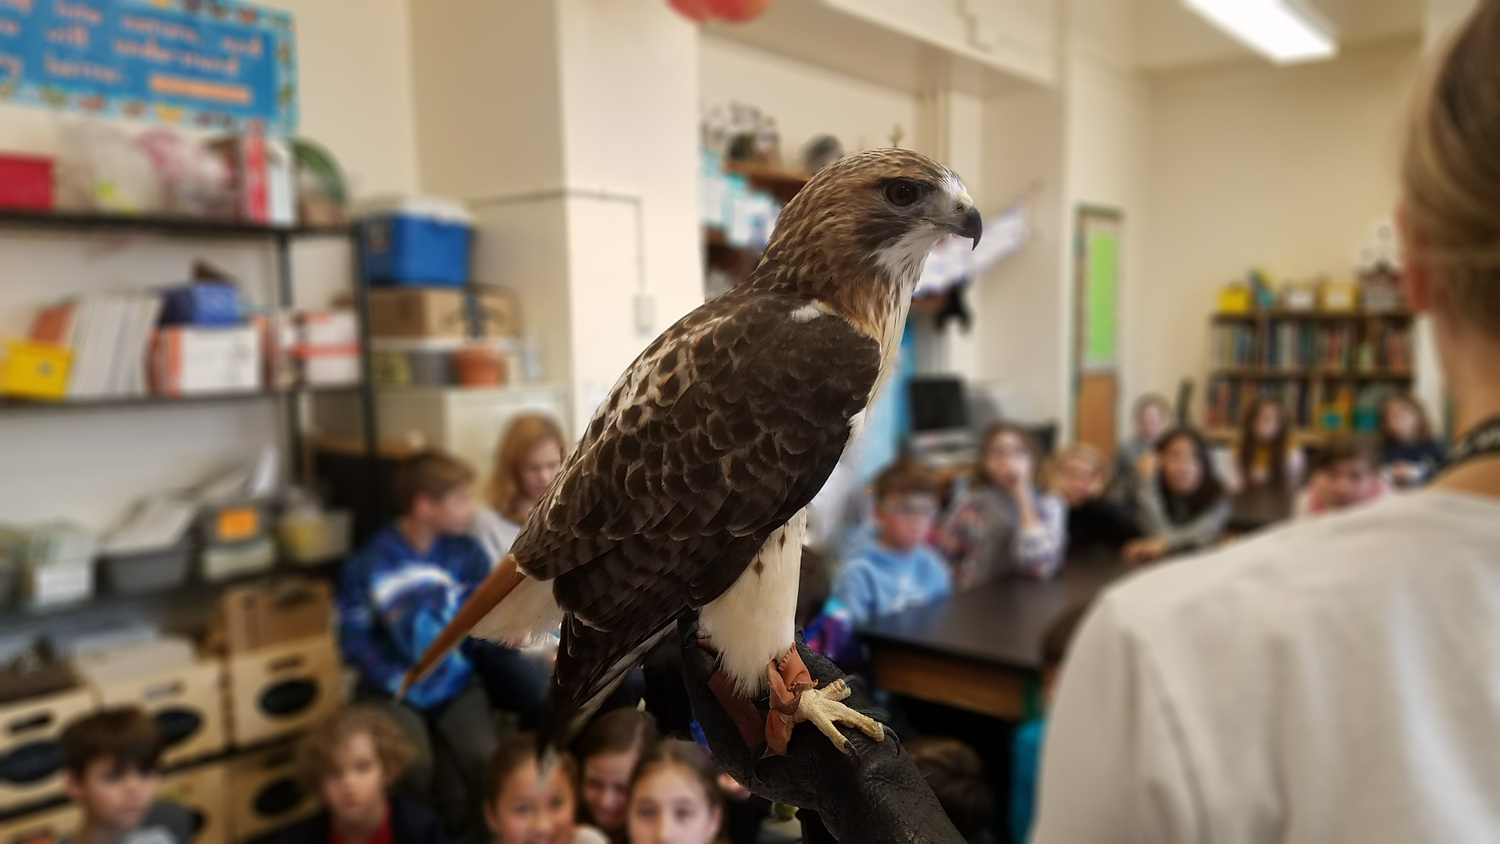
x=570 y=127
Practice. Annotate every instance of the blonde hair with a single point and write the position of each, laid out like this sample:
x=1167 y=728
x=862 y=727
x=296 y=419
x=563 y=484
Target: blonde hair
x=1086 y=453
x=525 y=432
x=1450 y=170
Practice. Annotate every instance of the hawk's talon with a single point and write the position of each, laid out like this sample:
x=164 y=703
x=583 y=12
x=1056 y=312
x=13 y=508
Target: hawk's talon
x=825 y=709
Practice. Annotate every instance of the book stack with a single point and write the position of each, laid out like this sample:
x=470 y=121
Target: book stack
x=110 y=336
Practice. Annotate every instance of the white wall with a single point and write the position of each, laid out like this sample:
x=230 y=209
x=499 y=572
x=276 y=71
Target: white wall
x=1020 y=322
x=1254 y=166
x=805 y=99
x=1108 y=118
x=354 y=62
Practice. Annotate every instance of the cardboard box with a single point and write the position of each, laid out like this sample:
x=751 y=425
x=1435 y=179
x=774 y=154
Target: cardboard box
x=416 y=313
x=187 y=702
x=261 y=615
x=203 y=361
x=42 y=827
x=30 y=759
x=204 y=792
x=264 y=794
x=277 y=691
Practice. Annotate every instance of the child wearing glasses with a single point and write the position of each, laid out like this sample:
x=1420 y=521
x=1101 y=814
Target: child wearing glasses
x=893 y=567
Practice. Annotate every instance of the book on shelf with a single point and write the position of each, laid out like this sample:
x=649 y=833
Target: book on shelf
x=110 y=335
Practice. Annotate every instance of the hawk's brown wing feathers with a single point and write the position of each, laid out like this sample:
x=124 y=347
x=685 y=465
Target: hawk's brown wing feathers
x=714 y=439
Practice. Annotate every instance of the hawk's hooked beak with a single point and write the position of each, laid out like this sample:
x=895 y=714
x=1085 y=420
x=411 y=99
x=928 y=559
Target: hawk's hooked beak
x=968 y=224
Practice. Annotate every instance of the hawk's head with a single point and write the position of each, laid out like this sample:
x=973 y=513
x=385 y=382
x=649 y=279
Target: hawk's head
x=881 y=209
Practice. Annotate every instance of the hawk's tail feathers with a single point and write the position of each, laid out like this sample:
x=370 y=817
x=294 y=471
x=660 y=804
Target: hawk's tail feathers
x=591 y=664
x=502 y=580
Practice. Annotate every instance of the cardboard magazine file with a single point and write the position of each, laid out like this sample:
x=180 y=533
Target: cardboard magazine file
x=187 y=702
x=281 y=690
x=265 y=794
x=204 y=792
x=30 y=757
x=44 y=826
x=261 y=615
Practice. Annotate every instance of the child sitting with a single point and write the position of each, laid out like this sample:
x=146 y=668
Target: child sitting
x=394 y=597
x=895 y=568
x=1265 y=455
x=1345 y=475
x=350 y=761
x=1409 y=453
x=675 y=797
x=1026 y=746
x=956 y=776
x=529 y=456
x=826 y=623
x=608 y=752
x=1184 y=506
x=522 y=807
x=1093 y=520
x=1002 y=523
x=1151 y=415
x=111 y=771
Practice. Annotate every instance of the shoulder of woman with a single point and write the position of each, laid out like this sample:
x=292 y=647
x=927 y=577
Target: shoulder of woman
x=586 y=834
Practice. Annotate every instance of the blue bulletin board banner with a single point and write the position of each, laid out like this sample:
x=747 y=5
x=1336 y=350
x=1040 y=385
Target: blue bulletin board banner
x=207 y=64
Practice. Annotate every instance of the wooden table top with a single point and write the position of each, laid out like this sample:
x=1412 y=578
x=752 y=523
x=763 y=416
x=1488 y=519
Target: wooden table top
x=1260 y=507
x=1000 y=623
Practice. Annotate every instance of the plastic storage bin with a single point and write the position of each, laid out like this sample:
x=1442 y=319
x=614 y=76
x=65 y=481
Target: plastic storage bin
x=149 y=571
x=221 y=562
x=416 y=241
x=309 y=539
x=202 y=303
x=34 y=370
x=25 y=182
x=413 y=363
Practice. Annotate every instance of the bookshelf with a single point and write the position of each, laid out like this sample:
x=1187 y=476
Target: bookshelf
x=1329 y=369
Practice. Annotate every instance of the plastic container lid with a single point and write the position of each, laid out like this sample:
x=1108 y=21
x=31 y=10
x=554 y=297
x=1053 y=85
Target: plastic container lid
x=414 y=205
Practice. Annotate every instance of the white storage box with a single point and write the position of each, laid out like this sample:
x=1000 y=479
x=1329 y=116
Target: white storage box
x=188 y=361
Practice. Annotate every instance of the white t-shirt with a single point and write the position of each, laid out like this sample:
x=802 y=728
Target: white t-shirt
x=495 y=532
x=1334 y=681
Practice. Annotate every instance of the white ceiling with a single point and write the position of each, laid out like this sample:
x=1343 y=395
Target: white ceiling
x=1168 y=36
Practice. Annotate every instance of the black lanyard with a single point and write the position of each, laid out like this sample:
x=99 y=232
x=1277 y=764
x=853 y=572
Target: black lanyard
x=1483 y=441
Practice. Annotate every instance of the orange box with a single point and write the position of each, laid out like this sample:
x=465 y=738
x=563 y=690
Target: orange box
x=283 y=689
x=30 y=760
x=204 y=792
x=264 y=794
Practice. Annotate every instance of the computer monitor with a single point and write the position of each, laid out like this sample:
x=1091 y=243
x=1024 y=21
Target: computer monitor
x=937 y=403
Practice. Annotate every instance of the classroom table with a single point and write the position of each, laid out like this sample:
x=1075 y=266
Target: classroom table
x=979 y=649
x=1260 y=507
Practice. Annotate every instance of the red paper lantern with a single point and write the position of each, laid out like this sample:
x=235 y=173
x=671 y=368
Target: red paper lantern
x=737 y=11
x=696 y=11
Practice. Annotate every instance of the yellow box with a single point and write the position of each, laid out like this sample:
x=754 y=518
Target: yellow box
x=1234 y=299
x=1338 y=295
x=280 y=690
x=187 y=702
x=264 y=793
x=44 y=826
x=34 y=370
x=30 y=760
x=204 y=792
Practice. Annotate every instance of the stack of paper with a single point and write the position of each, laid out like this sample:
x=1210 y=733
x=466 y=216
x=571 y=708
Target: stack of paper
x=110 y=335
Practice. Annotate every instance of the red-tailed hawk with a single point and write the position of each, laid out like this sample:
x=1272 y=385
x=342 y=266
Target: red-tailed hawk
x=686 y=493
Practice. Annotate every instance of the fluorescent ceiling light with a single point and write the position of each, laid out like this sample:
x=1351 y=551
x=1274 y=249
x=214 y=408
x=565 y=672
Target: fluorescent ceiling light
x=1284 y=32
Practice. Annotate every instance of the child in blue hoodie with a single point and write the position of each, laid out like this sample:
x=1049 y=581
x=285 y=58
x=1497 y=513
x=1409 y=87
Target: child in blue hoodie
x=894 y=567
x=395 y=596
